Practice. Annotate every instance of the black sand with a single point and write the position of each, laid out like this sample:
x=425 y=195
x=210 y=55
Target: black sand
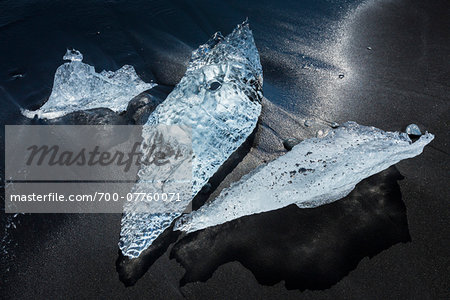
x=403 y=79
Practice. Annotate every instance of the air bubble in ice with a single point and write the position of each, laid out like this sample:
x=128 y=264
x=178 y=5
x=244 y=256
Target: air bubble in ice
x=215 y=86
x=308 y=123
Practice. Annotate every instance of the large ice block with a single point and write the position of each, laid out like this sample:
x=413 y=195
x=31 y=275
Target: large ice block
x=315 y=172
x=219 y=99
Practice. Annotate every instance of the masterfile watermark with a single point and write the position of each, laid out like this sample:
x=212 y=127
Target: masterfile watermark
x=51 y=155
x=59 y=168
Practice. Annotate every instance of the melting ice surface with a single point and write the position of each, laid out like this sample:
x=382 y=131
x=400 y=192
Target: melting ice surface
x=315 y=172
x=78 y=87
x=218 y=98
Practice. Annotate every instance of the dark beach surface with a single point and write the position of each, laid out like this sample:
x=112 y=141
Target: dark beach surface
x=379 y=63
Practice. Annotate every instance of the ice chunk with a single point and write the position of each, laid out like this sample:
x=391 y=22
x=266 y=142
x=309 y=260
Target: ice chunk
x=334 y=125
x=219 y=99
x=73 y=55
x=78 y=87
x=315 y=172
x=290 y=143
x=413 y=129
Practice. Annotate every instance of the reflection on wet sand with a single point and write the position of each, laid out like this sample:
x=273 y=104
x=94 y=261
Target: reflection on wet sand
x=307 y=248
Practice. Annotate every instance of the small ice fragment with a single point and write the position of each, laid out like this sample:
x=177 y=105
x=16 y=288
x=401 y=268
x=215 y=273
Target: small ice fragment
x=334 y=125
x=313 y=173
x=73 y=55
x=290 y=143
x=369 y=48
x=308 y=123
x=214 y=86
x=413 y=129
x=16 y=76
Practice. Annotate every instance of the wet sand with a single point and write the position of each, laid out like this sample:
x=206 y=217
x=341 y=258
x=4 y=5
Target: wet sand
x=403 y=79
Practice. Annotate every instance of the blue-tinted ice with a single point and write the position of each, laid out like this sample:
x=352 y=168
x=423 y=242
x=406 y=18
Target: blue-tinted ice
x=413 y=129
x=315 y=172
x=78 y=87
x=218 y=98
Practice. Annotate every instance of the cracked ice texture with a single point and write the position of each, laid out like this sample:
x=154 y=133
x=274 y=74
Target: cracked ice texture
x=78 y=87
x=218 y=98
x=316 y=172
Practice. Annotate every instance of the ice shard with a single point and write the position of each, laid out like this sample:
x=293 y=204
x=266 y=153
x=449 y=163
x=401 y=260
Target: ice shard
x=219 y=99
x=315 y=172
x=78 y=87
x=413 y=129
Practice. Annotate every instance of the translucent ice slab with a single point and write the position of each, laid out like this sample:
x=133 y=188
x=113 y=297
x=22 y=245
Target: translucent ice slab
x=78 y=87
x=218 y=98
x=315 y=172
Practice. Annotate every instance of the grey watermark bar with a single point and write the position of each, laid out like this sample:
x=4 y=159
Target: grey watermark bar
x=71 y=169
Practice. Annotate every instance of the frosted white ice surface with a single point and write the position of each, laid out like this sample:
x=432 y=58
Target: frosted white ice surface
x=78 y=87
x=315 y=172
x=218 y=98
